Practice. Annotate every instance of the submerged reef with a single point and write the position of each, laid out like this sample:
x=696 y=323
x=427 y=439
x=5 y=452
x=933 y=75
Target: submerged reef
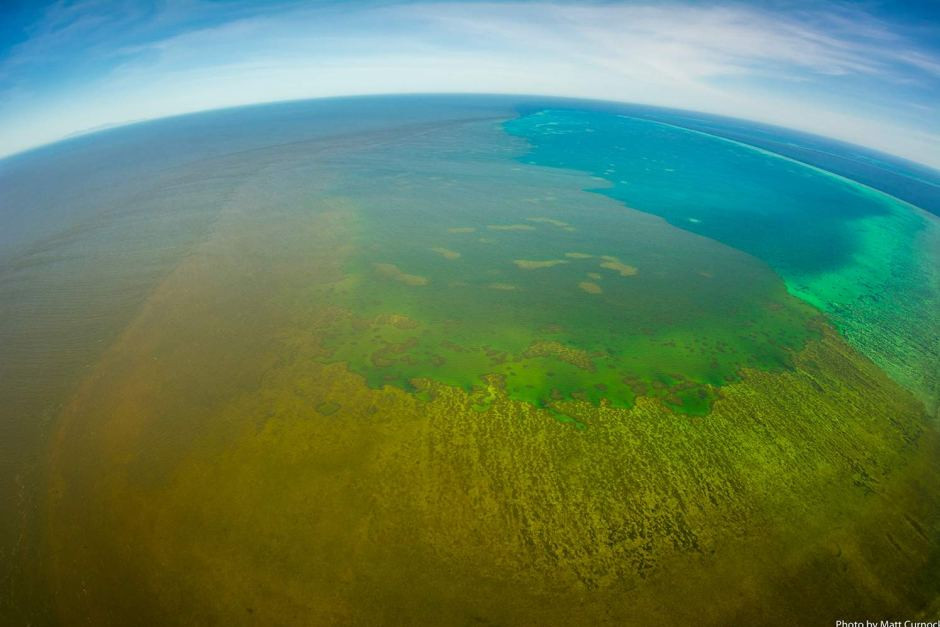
x=320 y=497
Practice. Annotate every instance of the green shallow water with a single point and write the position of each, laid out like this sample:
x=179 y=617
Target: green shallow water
x=465 y=267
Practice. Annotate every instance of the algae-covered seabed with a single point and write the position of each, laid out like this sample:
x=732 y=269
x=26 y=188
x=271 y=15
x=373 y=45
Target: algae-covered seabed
x=267 y=442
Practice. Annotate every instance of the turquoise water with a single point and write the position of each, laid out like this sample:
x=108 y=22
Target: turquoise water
x=911 y=182
x=866 y=259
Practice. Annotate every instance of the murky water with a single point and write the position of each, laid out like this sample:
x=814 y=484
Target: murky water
x=362 y=363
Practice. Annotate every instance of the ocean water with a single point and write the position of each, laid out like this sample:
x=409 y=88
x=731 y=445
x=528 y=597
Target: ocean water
x=914 y=183
x=459 y=359
x=80 y=259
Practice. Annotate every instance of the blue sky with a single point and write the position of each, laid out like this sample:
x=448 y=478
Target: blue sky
x=864 y=72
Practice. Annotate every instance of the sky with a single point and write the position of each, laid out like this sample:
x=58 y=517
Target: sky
x=867 y=72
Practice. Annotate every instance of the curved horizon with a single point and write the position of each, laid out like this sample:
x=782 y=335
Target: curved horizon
x=89 y=132
x=919 y=196
x=867 y=75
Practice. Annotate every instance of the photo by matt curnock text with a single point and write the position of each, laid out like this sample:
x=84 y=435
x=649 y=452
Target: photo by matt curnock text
x=888 y=623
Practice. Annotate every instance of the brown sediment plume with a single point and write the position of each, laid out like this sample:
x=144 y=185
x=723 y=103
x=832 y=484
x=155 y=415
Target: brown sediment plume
x=462 y=229
x=562 y=352
x=590 y=288
x=391 y=271
x=550 y=221
x=506 y=287
x=398 y=321
x=446 y=253
x=510 y=227
x=612 y=263
x=579 y=256
x=528 y=264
